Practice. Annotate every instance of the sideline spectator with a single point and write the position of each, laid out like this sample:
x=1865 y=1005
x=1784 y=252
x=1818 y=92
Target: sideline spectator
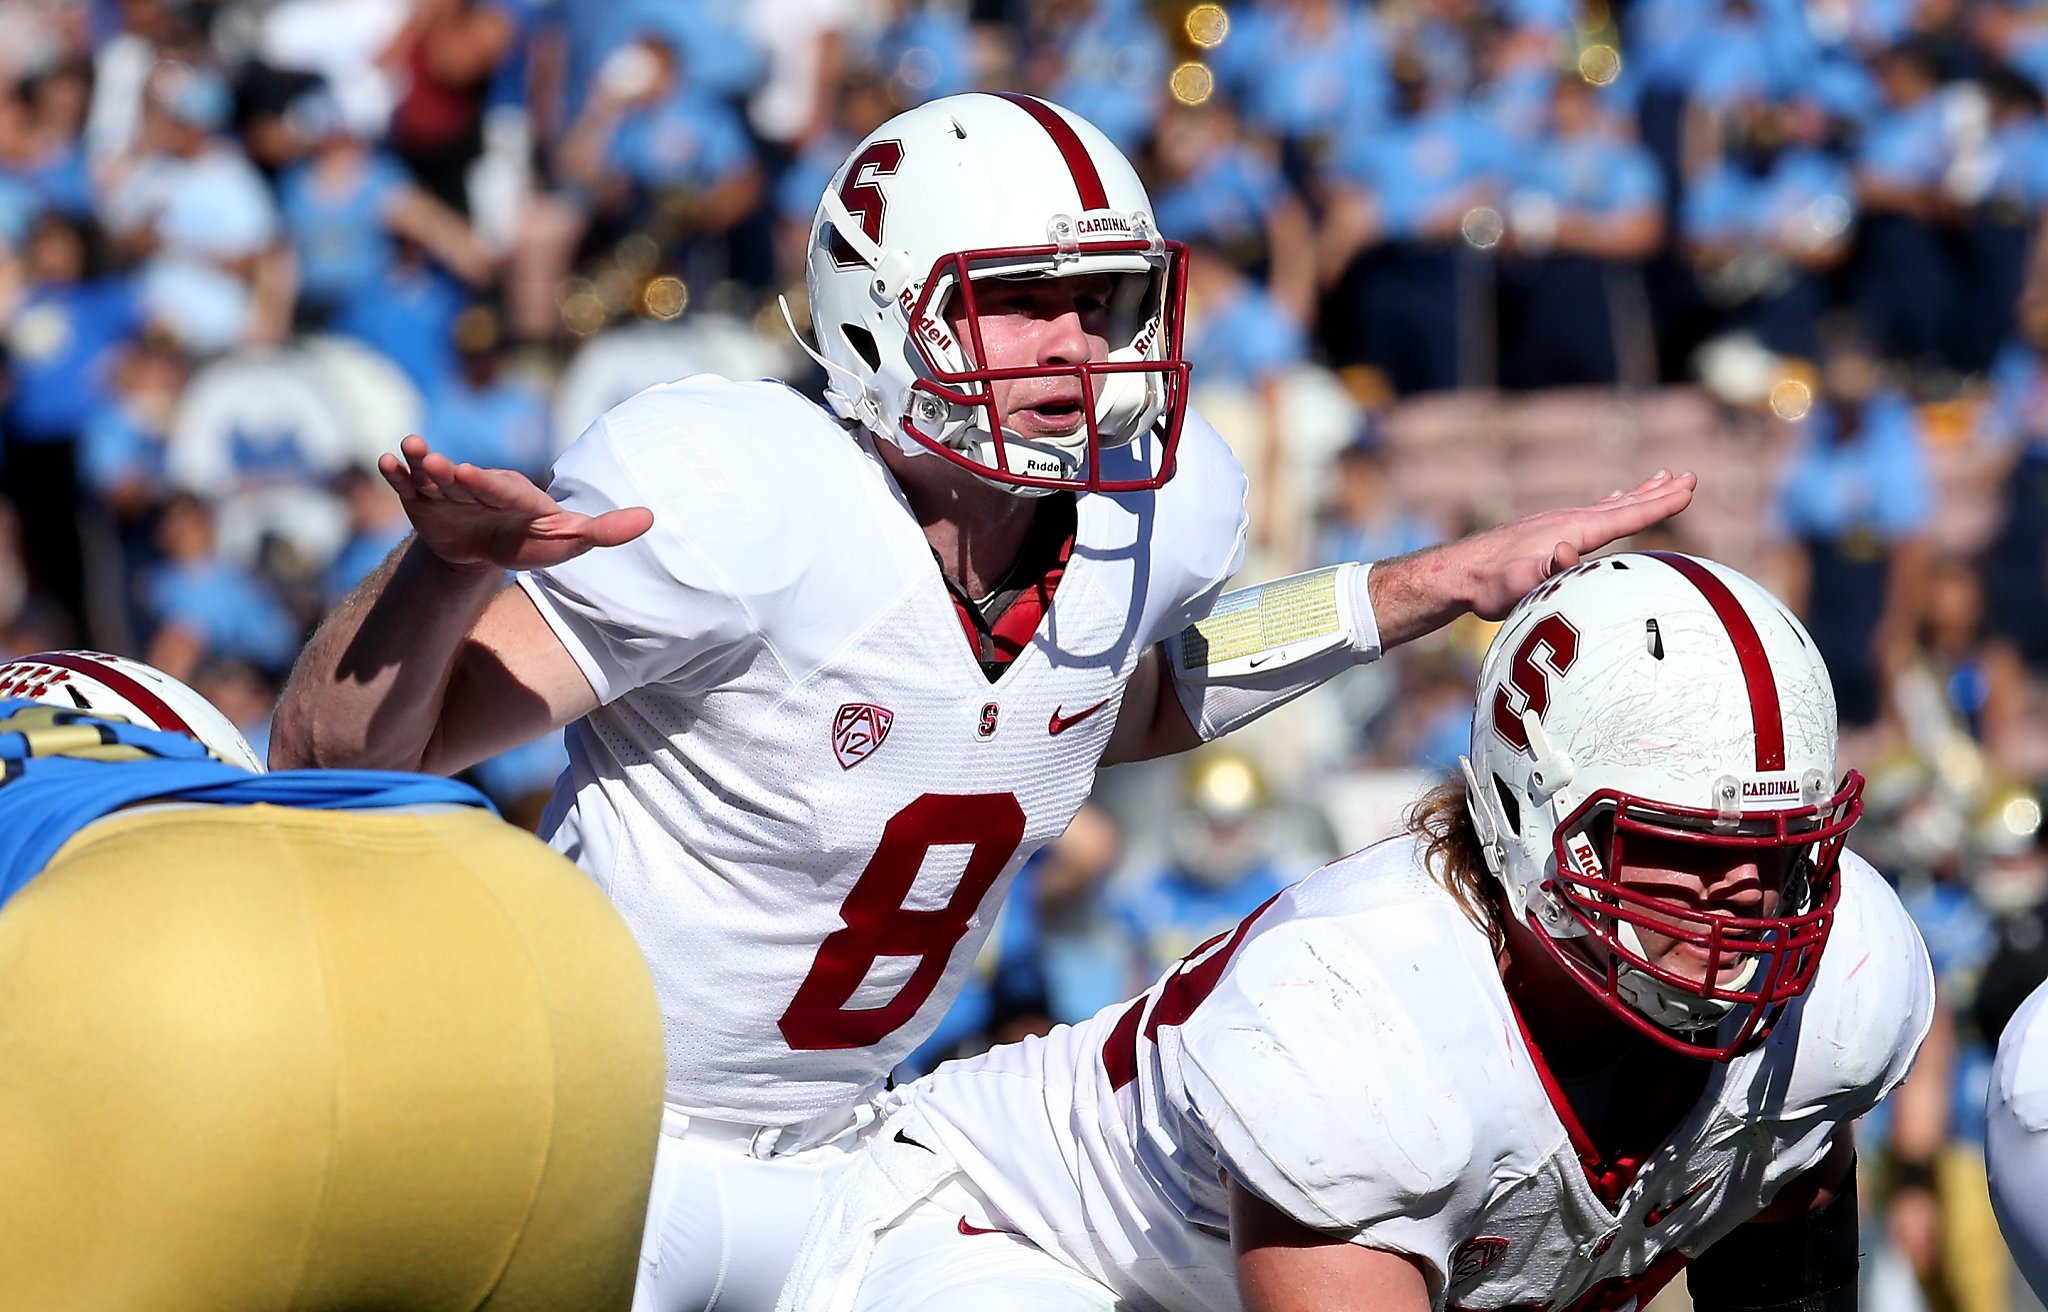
x=198 y=216
x=376 y=525
x=1364 y=519
x=1217 y=188
x=344 y=207
x=64 y=339
x=1223 y=864
x=2000 y=224
x=1959 y=673
x=1855 y=501
x=1238 y=335
x=1769 y=223
x=203 y=605
x=1306 y=72
x=650 y=153
x=1905 y=288
x=447 y=55
x=1391 y=241
x=2016 y=562
x=482 y=413
x=1584 y=211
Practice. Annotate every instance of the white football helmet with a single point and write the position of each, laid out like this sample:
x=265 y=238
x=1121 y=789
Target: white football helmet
x=1656 y=696
x=986 y=186
x=116 y=687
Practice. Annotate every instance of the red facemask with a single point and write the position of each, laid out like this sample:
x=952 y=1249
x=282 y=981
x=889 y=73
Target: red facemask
x=972 y=386
x=1785 y=949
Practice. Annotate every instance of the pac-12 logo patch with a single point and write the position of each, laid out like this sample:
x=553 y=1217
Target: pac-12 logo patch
x=858 y=730
x=1475 y=1256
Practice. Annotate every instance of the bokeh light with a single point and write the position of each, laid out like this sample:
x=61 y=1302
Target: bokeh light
x=665 y=297
x=1207 y=25
x=1483 y=227
x=1791 y=399
x=1192 y=83
x=1600 y=64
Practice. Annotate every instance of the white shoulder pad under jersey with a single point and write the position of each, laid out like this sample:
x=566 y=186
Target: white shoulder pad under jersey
x=1345 y=1053
x=1851 y=1038
x=1358 y=1067
x=765 y=527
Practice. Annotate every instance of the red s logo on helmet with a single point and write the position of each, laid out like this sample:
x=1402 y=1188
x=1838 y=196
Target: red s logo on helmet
x=1556 y=643
x=863 y=199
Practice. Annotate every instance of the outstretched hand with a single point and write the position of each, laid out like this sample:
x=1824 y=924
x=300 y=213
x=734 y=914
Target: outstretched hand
x=1505 y=563
x=496 y=518
x=1489 y=571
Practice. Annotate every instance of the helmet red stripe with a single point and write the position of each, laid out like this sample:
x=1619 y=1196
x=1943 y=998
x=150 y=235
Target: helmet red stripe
x=1086 y=180
x=1769 y=721
x=138 y=695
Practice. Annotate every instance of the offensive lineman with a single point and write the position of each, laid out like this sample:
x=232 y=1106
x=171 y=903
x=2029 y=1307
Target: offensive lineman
x=835 y=676
x=1572 y=1032
x=315 y=1039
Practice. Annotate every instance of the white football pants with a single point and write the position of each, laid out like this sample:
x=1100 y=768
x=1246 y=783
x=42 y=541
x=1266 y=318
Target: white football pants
x=901 y=1230
x=926 y=1262
x=727 y=1213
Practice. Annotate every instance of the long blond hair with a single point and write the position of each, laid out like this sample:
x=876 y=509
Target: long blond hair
x=1451 y=853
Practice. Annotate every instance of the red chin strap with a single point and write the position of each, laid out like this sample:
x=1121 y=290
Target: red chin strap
x=974 y=385
x=1786 y=948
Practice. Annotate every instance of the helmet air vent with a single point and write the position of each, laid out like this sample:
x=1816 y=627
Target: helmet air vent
x=863 y=343
x=1510 y=809
x=1653 y=638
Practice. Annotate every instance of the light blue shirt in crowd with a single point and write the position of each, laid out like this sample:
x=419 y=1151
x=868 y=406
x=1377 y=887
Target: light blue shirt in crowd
x=341 y=237
x=1876 y=480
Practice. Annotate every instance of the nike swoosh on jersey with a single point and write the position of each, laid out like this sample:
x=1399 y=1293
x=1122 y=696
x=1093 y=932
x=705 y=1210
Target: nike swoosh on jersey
x=1060 y=724
x=967 y=1229
x=904 y=1138
x=1659 y=1214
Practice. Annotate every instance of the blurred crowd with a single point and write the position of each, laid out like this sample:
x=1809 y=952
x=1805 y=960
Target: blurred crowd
x=1451 y=259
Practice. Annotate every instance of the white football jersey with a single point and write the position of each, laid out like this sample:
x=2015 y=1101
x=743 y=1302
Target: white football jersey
x=2016 y=1138
x=801 y=791
x=1350 y=1055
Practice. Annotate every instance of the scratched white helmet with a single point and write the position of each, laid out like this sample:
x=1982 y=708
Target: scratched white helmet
x=117 y=687
x=1656 y=696
x=979 y=186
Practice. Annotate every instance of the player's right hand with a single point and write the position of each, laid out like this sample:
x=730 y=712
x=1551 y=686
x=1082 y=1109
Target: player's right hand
x=496 y=518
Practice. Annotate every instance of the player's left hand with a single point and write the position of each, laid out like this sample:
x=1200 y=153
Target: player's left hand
x=1489 y=571
x=1505 y=563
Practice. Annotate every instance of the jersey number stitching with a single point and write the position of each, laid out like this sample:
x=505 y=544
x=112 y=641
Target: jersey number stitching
x=878 y=924
x=1193 y=980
